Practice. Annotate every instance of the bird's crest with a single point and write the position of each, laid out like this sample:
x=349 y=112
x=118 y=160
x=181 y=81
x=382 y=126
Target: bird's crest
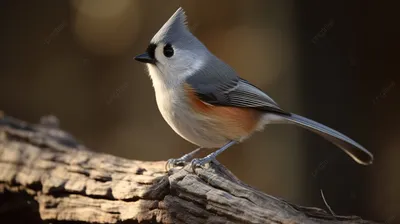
x=173 y=29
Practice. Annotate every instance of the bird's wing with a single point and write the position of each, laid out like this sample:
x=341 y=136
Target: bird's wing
x=226 y=89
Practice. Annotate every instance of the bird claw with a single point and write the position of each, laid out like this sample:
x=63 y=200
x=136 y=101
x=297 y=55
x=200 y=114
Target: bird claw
x=171 y=163
x=199 y=163
x=195 y=163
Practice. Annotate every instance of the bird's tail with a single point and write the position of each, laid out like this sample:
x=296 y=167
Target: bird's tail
x=352 y=148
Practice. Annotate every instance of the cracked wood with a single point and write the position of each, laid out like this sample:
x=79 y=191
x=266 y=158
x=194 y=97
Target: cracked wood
x=47 y=175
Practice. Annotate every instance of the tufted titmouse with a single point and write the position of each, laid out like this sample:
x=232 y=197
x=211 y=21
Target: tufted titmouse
x=208 y=104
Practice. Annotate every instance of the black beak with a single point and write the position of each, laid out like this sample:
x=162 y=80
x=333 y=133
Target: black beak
x=145 y=58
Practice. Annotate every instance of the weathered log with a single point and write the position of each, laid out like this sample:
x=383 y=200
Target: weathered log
x=47 y=176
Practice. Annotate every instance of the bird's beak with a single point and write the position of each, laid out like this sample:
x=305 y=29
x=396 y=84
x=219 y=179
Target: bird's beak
x=145 y=58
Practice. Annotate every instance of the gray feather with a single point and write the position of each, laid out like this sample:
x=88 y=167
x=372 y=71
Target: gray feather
x=352 y=148
x=218 y=84
x=176 y=32
x=173 y=29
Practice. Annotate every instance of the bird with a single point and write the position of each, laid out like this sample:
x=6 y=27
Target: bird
x=207 y=103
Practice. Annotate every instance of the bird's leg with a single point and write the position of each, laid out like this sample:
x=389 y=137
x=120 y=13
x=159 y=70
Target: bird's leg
x=182 y=160
x=211 y=156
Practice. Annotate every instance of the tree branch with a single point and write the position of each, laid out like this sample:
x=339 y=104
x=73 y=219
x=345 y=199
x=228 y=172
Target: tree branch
x=46 y=175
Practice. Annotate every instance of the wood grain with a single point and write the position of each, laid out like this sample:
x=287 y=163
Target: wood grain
x=46 y=176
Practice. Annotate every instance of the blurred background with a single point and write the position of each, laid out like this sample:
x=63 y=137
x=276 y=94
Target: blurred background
x=332 y=61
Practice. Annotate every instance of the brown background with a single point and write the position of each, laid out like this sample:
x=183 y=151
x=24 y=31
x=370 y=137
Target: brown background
x=332 y=61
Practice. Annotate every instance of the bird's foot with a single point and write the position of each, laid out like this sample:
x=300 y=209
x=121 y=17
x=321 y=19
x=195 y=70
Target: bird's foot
x=199 y=163
x=171 y=163
x=211 y=157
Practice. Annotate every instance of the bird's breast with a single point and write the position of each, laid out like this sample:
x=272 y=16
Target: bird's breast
x=235 y=123
x=193 y=127
x=203 y=124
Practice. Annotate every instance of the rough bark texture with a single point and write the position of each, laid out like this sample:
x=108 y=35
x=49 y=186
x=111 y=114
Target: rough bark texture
x=46 y=176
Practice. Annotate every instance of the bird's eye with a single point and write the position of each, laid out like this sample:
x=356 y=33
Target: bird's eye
x=168 y=50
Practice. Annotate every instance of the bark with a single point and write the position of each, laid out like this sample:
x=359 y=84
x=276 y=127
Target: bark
x=46 y=176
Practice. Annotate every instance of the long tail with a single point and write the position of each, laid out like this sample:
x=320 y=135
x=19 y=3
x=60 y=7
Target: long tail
x=352 y=148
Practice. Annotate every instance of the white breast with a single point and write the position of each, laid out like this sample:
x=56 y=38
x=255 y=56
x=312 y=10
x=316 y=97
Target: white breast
x=174 y=108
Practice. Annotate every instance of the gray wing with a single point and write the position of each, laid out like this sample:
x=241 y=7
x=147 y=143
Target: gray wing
x=218 y=84
x=224 y=87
